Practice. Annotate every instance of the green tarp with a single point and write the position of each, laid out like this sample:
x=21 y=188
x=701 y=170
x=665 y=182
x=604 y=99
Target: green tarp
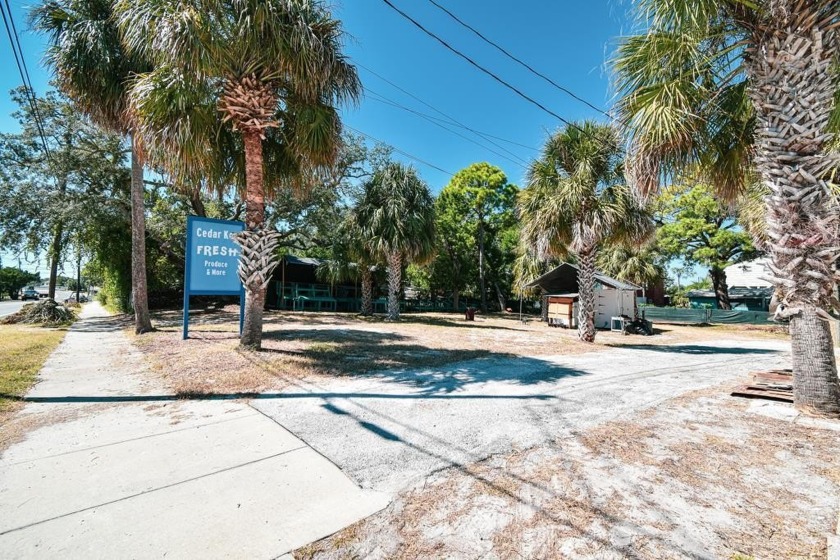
x=735 y=317
x=705 y=316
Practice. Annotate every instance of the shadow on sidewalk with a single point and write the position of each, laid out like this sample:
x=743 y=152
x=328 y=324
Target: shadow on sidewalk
x=110 y=323
x=696 y=349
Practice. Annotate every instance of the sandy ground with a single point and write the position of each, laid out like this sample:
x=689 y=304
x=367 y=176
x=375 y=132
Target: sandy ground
x=389 y=429
x=303 y=345
x=503 y=439
x=696 y=477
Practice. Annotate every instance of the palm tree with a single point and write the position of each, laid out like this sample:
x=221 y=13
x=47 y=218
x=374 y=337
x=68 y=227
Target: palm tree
x=273 y=69
x=396 y=218
x=93 y=69
x=697 y=69
x=366 y=263
x=351 y=259
x=576 y=201
x=641 y=266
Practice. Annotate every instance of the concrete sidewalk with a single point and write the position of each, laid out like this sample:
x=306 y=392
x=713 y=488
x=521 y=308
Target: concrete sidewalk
x=126 y=474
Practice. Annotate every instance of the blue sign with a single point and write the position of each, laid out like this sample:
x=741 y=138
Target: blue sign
x=213 y=256
x=212 y=259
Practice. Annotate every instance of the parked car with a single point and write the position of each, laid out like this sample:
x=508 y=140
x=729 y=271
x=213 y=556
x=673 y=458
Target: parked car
x=29 y=294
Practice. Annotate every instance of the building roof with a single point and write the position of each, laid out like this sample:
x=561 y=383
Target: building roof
x=563 y=279
x=303 y=261
x=749 y=274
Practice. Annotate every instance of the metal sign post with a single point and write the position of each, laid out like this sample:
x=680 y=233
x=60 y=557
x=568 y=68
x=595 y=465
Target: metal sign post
x=212 y=259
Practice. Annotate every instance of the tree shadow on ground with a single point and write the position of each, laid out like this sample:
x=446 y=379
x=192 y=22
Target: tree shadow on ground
x=446 y=322
x=104 y=324
x=393 y=358
x=199 y=396
x=529 y=492
x=337 y=334
x=694 y=349
x=492 y=367
x=214 y=315
x=316 y=344
x=174 y=318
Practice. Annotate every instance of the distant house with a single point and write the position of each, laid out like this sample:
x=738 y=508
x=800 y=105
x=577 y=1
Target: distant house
x=749 y=289
x=749 y=274
x=560 y=295
x=741 y=298
x=295 y=285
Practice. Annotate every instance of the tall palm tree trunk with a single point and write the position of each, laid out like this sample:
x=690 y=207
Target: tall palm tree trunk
x=58 y=231
x=394 y=284
x=720 y=287
x=482 y=276
x=55 y=256
x=813 y=392
x=793 y=93
x=254 y=220
x=586 y=294
x=140 y=301
x=367 y=291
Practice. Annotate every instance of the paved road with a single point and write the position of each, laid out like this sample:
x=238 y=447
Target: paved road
x=9 y=306
x=390 y=430
x=119 y=470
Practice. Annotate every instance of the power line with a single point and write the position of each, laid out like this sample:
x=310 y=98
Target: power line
x=403 y=152
x=516 y=59
x=521 y=163
x=491 y=74
x=477 y=65
x=450 y=122
x=450 y=118
x=432 y=120
x=20 y=62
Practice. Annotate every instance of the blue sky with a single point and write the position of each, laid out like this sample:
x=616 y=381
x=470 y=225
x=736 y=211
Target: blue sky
x=569 y=41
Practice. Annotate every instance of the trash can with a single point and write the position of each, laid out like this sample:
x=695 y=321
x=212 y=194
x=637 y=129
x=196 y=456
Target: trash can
x=470 y=314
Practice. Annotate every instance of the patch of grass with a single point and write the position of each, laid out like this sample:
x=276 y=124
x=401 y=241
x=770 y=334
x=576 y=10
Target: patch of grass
x=322 y=348
x=23 y=350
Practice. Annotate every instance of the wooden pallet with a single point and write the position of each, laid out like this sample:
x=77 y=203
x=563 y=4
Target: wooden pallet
x=774 y=385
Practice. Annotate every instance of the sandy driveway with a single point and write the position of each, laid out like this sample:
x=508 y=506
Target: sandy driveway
x=390 y=429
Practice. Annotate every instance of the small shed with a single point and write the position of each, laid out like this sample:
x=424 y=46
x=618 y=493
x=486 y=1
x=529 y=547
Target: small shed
x=559 y=286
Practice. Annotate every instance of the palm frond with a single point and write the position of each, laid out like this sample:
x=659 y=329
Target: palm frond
x=396 y=214
x=576 y=197
x=91 y=66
